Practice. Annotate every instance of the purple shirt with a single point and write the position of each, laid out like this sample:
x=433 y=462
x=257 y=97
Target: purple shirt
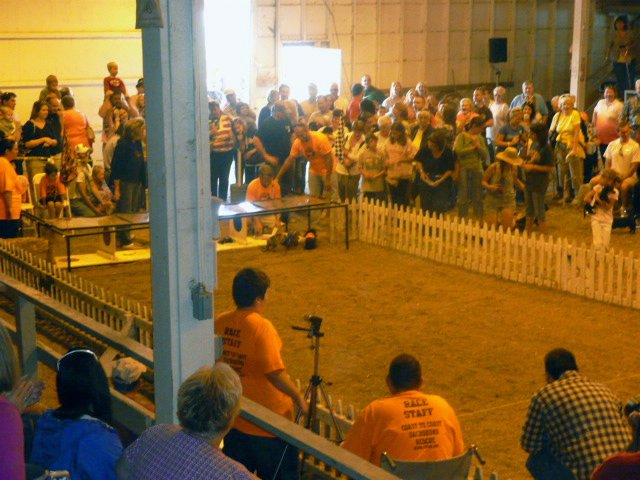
x=11 y=442
x=167 y=452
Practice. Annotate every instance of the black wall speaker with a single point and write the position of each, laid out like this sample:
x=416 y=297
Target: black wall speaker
x=497 y=50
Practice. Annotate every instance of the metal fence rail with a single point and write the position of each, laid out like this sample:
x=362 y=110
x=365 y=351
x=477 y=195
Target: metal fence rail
x=331 y=458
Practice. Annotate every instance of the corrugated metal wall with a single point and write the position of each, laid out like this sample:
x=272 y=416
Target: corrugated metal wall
x=438 y=41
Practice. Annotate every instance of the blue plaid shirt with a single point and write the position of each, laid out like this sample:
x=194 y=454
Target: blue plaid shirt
x=581 y=422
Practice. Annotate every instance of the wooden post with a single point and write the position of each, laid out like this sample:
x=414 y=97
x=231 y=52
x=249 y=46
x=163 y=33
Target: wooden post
x=580 y=49
x=181 y=220
x=27 y=340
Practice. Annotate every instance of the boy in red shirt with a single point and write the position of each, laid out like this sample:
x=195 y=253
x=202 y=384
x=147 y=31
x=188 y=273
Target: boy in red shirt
x=112 y=82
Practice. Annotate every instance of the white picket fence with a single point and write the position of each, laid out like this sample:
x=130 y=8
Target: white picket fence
x=534 y=259
x=115 y=311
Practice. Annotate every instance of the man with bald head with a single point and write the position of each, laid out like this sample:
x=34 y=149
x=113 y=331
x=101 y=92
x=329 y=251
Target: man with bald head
x=371 y=92
x=529 y=96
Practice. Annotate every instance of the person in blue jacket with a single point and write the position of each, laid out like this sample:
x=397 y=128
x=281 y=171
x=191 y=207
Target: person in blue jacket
x=77 y=436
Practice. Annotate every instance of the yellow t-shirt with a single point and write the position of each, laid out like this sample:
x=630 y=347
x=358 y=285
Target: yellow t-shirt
x=408 y=426
x=565 y=125
x=314 y=150
x=252 y=348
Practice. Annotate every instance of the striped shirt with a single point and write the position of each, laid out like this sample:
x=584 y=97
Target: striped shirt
x=581 y=422
x=222 y=140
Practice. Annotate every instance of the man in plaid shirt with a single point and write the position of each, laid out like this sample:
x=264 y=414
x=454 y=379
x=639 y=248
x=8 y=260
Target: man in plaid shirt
x=572 y=424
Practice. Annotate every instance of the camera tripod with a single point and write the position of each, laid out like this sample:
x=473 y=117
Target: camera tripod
x=316 y=382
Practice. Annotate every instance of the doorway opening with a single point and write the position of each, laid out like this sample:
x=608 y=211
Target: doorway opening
x=228 y=41
x=303 y=64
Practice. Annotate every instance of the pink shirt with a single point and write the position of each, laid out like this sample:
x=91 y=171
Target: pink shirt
x=11 y=442
x=607 y=120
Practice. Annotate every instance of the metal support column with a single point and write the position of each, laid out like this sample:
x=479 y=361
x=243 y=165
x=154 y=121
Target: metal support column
x=180 y=194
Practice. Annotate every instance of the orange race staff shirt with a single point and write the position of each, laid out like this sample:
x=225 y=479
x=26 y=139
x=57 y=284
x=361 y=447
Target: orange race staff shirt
x=409 y=426
x=255 y=191
x=252 y=348
x=313 y=150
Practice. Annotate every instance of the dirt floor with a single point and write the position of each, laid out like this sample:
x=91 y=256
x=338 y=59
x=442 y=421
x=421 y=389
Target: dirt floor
x=481 y=340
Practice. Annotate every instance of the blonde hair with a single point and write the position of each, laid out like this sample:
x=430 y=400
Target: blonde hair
x=110 y=65
x=564 y=98
x=209 y=400
x=8 y=363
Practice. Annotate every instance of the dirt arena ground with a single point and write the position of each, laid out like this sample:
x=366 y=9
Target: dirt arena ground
x=481 y=340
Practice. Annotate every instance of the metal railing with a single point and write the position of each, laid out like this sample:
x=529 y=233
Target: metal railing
x=333 y=459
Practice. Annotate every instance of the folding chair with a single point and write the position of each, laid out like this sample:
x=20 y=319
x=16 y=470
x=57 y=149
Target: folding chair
x=66 y=204
x=27 y=204
x=37 y=178
x=456 y=468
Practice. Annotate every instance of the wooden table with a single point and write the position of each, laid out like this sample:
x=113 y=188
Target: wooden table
x=104 y=228
x=288 y=204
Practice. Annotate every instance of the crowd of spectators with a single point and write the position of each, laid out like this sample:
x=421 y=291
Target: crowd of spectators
x=60 y=134
x=481 y=156
x=407 y=148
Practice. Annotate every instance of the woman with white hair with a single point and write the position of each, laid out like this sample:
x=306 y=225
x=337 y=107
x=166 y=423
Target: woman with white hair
x=500 y=111
x=569 y=151
x=208 y=403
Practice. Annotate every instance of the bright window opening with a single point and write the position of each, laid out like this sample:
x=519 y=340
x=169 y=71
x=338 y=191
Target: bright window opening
x=303 y=64
x=228 y=39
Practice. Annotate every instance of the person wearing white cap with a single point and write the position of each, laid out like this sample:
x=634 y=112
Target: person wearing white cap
x=500 y=181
